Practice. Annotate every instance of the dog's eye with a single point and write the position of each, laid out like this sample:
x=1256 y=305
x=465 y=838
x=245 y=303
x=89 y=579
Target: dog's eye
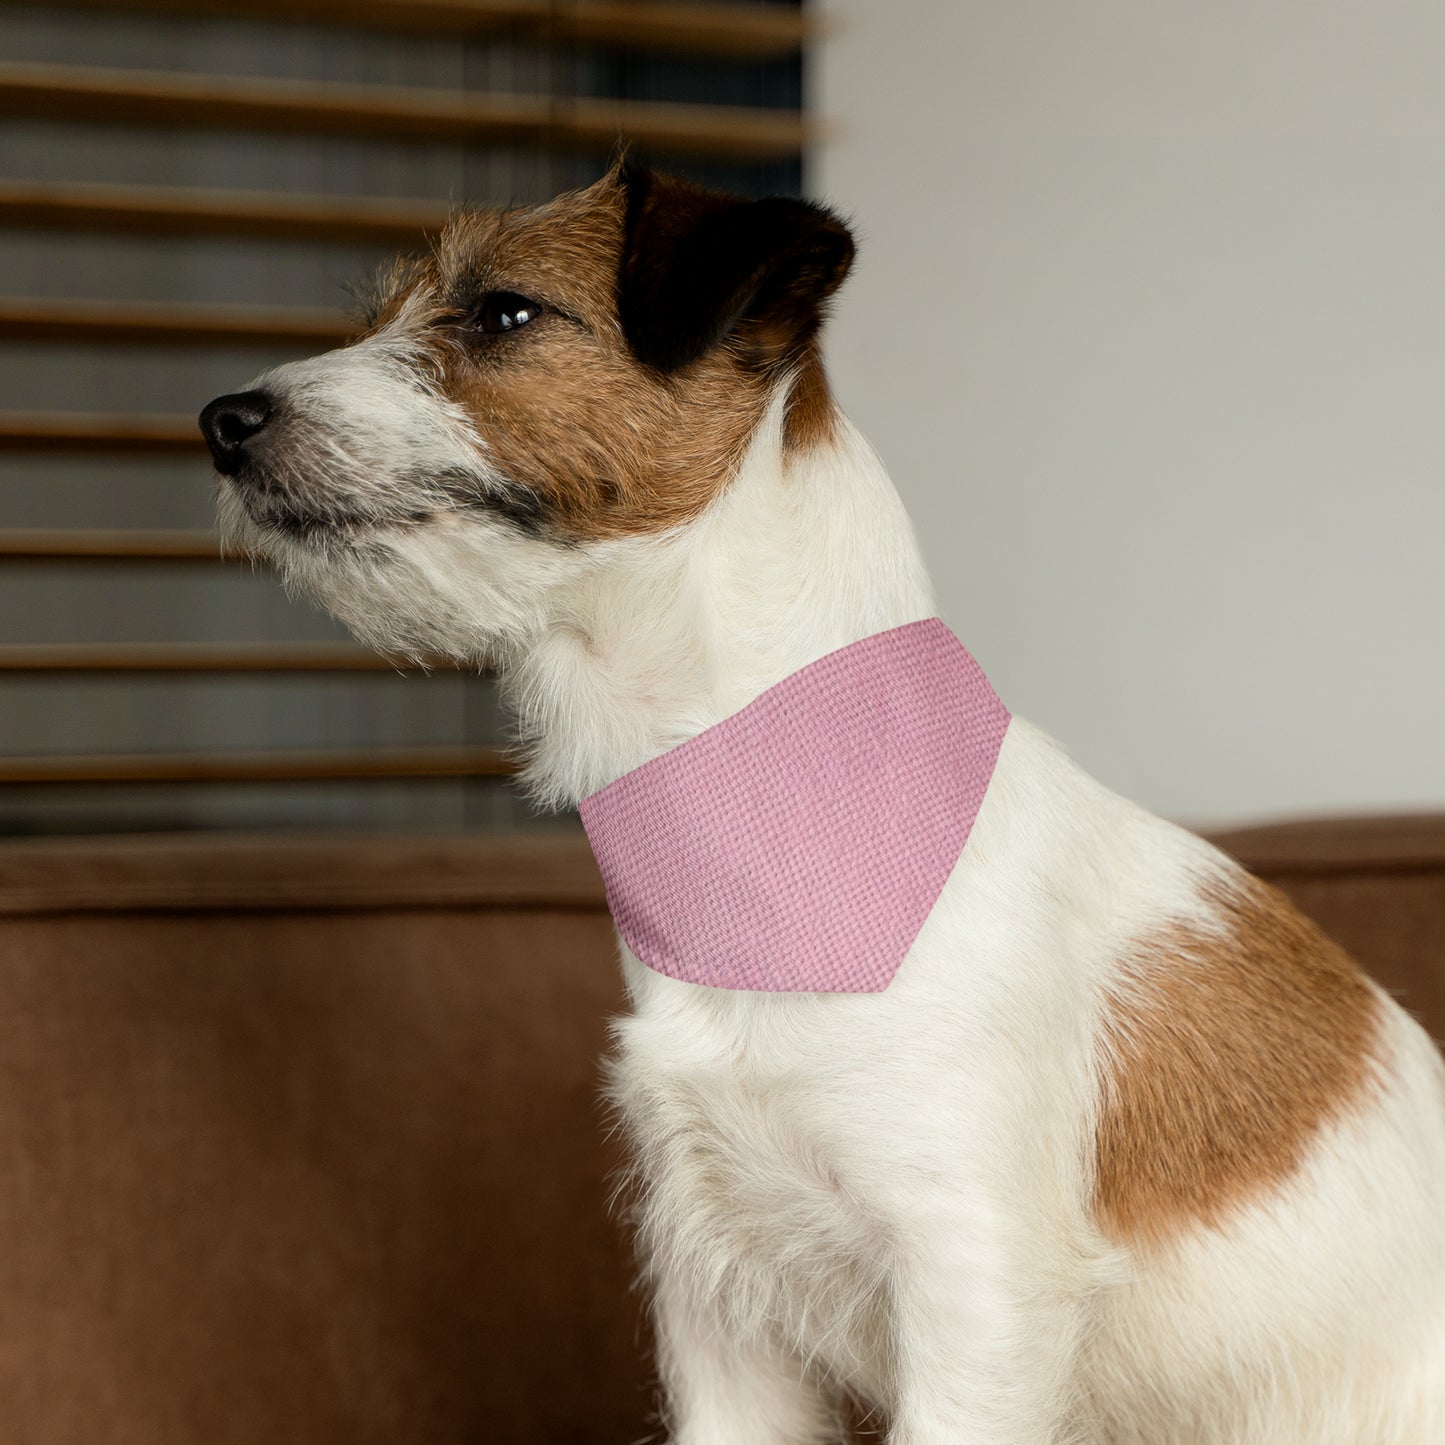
x=504 y=311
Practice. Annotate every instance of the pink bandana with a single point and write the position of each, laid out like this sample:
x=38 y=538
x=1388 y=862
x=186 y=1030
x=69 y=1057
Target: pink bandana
x=799 y=845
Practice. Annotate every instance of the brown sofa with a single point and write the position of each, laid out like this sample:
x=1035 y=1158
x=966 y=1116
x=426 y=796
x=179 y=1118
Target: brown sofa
x=301 y=1140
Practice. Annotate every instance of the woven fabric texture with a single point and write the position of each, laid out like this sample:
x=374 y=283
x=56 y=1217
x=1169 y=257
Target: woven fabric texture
x=799 y=845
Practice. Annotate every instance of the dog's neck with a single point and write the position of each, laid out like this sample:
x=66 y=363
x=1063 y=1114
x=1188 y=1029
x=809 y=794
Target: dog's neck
x=804 y=553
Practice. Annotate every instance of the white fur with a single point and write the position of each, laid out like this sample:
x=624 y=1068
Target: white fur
x=890 y=1194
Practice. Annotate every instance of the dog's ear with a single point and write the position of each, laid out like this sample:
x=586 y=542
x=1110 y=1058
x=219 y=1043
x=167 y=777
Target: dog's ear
x=699 y=266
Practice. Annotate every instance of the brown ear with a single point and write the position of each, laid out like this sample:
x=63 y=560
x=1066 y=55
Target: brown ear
x=699 y=266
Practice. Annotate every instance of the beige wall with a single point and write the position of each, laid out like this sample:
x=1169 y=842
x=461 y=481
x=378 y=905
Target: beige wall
x=1149 y=324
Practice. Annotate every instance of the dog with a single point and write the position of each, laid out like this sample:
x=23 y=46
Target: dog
x=1125 y=1152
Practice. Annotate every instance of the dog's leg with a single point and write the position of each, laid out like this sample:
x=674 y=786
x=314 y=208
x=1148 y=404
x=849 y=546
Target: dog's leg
x=721 y=1388
x=983 y=1351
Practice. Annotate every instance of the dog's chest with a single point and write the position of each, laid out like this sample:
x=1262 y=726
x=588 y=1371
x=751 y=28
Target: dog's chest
x=743 y=1185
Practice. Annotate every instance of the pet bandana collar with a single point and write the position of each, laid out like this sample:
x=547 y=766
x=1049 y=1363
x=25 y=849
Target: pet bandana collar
x=798 y=845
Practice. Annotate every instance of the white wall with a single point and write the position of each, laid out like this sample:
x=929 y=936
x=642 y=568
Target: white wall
x=1149 y=323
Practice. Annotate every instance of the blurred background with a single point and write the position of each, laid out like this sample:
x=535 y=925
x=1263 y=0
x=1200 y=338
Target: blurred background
x=1146 y=323
x=1149 y=324
x=187 y=191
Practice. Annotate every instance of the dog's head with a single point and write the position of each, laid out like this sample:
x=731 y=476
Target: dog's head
x=548 y=384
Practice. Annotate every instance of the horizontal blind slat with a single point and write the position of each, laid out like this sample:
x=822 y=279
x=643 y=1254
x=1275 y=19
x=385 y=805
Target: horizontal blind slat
x=85 y=431
x=179 y=210
x=709 y=28
x=166 y=657
x=218 y=102
x=96 y=544
x=325 y=765
x=171 y=323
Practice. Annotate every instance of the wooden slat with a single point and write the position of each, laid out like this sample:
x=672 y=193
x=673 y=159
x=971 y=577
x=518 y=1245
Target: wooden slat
x=712 y=29
x=75 y=544
x=171 y=323
x=259 y=767
x=162 y=872
x=168 y=657
x=756 y=32
x=218 y=102
x=173 y=210
x=78 y=431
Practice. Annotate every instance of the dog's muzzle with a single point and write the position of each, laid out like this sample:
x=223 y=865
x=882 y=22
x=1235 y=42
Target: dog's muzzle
x=230 y=422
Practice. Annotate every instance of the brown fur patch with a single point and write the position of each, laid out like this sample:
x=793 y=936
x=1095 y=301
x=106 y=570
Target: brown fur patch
x=604 y=445
x=608 y=446
x=1226 y=1054
x=812 y=413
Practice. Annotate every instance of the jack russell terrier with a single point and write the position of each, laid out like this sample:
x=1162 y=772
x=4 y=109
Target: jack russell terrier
x=957 y=1085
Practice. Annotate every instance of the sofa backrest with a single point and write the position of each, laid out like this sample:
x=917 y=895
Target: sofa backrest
x=302 y=1139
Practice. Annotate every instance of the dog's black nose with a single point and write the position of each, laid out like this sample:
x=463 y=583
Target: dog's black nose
x=229 y=422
